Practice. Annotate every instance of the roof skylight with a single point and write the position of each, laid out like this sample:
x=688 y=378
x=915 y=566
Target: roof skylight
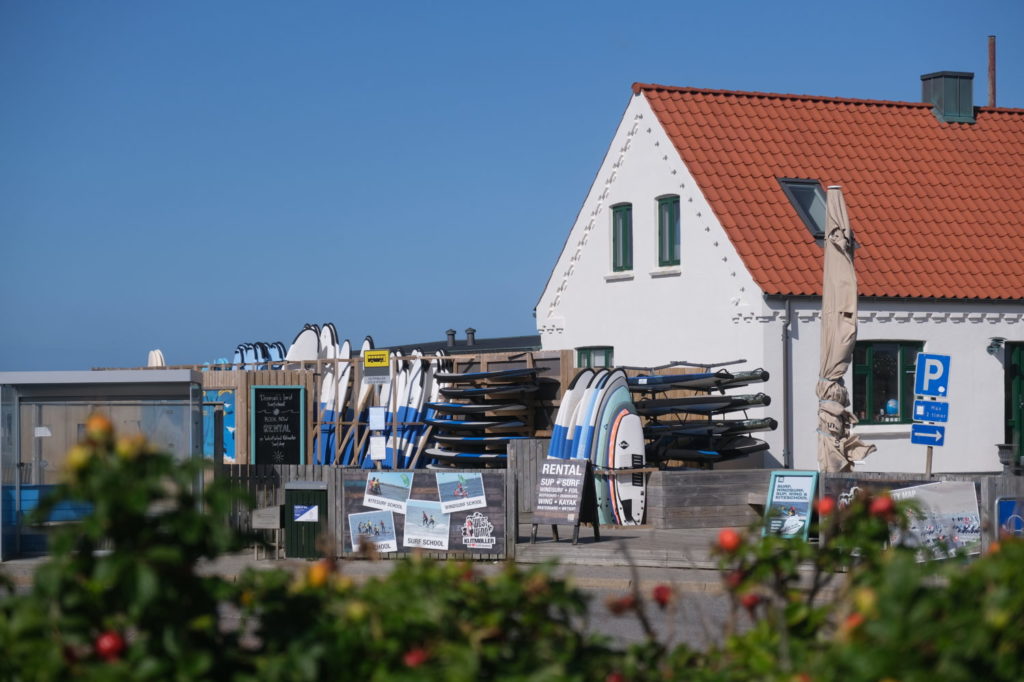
x=808 y=198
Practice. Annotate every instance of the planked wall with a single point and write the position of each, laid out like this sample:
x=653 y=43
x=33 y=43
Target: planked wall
x=705 y=499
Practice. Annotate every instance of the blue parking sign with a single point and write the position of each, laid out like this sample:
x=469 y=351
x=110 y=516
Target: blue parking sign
x=928 y=434
x=932 y=375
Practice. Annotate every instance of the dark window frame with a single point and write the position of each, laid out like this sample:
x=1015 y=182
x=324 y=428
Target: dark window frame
x=622 y=238
x=864 y=378
x=585 y=356
x=669 y=237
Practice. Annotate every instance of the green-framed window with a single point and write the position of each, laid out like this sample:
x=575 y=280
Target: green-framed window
x=668 y=231
x=622 y=237
x=594 y=356
x=883 y=381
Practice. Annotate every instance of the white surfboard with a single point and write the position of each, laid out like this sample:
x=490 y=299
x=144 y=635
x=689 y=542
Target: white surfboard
x=566 y=410
x=630 y=490
x=305 y=347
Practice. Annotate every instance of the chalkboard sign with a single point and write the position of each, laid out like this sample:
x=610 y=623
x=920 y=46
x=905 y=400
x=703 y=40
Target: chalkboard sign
x=565 y=495
x=277 y=424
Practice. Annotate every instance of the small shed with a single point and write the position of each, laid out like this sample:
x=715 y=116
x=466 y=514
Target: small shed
x=43 y=414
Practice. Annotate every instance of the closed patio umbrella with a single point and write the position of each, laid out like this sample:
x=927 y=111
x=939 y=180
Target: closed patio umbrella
x=838 y=448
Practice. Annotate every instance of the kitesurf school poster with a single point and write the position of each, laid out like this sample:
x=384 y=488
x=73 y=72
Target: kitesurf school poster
x=459 y=512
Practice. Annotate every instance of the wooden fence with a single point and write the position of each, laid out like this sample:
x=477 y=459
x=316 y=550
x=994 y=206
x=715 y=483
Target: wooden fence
x=265 y=485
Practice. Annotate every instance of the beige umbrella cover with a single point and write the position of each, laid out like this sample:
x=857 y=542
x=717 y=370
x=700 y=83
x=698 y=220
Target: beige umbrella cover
x=837 y=447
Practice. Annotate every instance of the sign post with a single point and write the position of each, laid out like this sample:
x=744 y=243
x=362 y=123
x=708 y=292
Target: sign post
x=565 y=495
x=931 y=379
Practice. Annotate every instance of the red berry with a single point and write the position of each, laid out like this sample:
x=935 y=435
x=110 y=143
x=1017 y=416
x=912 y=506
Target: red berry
x=881 y=506
x=621 y=604
x=662 y=594
x=414 y=658
x=825 y=506
x=615 y=677
x=734 y=579
x=109 y=645
x=750 y=601
x=729 y=540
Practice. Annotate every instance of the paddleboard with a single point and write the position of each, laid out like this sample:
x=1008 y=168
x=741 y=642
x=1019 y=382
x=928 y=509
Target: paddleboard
x=701 y=381
x=475 y=424
x=305 y=347
x=701 y=404
x=720 y=450
x=478 y=408
x=480 y=391
x=495 y=375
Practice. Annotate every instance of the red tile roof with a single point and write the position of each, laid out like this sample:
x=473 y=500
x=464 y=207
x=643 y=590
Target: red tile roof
x=937 y=208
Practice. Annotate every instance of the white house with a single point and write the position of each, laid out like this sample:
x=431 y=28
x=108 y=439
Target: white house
x=699 y=241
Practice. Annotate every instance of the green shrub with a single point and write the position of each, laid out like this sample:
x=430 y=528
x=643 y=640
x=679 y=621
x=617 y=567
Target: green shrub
x=121 y=599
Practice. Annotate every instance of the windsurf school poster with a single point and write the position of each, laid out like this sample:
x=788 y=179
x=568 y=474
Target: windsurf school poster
x=947 y=522
x=460 y=491
x=375 y=527
x=388 y=490
x=787 y=512
x=426 y=526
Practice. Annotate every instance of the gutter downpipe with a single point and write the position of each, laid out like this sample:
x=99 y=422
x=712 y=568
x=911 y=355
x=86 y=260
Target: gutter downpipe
x=787 y=388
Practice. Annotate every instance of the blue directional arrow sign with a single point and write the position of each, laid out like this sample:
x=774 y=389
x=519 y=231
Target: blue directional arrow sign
x=932 y=375
x=931 y=411
x=928 y=434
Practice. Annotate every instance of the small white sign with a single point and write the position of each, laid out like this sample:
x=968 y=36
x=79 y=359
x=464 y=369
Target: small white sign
x=41 y=432
x=378 y=418
x=302 y=513
x=378 y=449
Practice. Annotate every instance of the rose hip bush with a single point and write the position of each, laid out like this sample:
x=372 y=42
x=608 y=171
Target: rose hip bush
x=121 y=598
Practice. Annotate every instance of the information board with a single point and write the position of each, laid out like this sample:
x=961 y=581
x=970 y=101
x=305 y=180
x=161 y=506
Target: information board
x=277 y=424
x=561 y=488
x=790 y=502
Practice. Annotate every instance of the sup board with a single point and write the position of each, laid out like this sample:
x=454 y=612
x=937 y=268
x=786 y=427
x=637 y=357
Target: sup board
x=704 y=381
x=495 y=375
x=628 y=452
x=720 y=450
x=478 y=408
x=475 y=424
x=481 y=391
x=701 y=404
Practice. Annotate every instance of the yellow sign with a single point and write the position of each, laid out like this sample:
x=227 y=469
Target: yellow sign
x=376 y=358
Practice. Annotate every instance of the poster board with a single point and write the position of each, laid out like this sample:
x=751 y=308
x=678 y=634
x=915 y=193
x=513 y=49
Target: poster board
x=451 y=511
x=787 y=511
x=277 y=424
x=564 y=496
x=948 y=520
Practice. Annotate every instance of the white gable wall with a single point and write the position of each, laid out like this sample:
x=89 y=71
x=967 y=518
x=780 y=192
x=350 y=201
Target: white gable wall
x=651 y=315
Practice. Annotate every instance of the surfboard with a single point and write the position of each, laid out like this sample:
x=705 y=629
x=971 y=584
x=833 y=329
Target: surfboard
x=351 y=447
x=305 y=347
x=454 y=439
x=583 y=413
x=475 y=424
x=570 y=399
x=478 y=408
x=628 y=452
x=480 y=391
x=699 y=450
x=495 y=375
x=327 y=343
x=701 y=404
x=700 y=381
x=446 y=455
x=722 y=427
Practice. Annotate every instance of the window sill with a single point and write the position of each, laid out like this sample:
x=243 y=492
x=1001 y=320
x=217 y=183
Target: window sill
x=668 y=271
x=618 y=277
x=882 y=430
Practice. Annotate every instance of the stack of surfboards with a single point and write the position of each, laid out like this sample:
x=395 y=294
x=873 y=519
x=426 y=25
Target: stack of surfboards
x=478 y=414
x=597 y=421
x=694 y=428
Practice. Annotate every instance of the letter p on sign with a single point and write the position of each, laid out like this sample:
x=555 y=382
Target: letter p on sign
x=932 y=375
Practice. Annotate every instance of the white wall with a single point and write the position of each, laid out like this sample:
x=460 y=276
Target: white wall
x=651 y=315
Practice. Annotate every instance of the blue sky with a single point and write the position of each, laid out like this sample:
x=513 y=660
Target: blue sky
x=193 y=175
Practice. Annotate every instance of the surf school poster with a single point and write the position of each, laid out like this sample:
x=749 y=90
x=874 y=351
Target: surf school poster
x=426 y=526
x=376 y=528
x=787 y=512
x=460 y=491
x=387 y=490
